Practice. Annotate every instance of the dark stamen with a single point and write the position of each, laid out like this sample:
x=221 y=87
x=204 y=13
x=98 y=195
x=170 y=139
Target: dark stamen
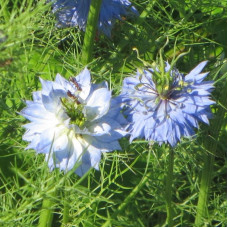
x=73 y=80
x=69 y=94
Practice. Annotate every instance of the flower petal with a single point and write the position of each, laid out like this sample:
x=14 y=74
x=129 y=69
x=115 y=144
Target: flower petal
x=98 y=104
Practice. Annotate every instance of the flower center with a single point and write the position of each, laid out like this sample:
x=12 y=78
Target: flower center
x=77 y=117
x=74 y=109
x=164 y=92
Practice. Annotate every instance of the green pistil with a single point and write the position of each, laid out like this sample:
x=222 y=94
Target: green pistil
x=163 y=82
x=163 y=92
x=77 y=117
x=163 y=97
x=74 y=111
x=159 y=89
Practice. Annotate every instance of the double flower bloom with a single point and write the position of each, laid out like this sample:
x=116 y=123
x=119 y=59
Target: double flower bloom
x=73 y=122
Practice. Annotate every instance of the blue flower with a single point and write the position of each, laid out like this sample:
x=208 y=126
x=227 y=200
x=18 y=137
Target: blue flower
x=165 y=114
x=73 y=122
x=75 y=13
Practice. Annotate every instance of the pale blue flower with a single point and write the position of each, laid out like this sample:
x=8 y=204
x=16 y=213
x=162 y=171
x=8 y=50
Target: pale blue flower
x=75 y=13
x=73 y=122
x=165 y=114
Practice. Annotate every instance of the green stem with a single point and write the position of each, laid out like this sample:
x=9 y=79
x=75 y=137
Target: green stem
x=210 y=145
x=202 y=211
x=168 y=189
x=65 y=213
x=66 y=208
x=90 y=32
x=46 y=214
x=128 y=199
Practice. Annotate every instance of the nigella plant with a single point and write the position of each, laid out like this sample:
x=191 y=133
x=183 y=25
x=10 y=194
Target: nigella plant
x=163 y=104
x=73 y=122
x=75 y=13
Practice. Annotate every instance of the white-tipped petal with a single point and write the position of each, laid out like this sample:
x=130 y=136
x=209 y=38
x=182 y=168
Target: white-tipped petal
x=53 y=132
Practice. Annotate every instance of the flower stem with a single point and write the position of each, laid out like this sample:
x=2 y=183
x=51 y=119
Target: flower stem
x=66 y=208
x=168 y=189
x=46 y=214
x=210 y=144
x=202 y=211
x=65 y=213
x=91 y=28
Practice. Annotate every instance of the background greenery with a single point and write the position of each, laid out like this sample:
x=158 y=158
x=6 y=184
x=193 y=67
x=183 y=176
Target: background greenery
x=32 y=47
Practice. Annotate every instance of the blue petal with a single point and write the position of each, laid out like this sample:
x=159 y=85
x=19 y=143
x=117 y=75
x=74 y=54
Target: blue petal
x=46 y=86
x=82 y=169
x=97 y=104
x=84 y=79
x=192 y=75
x=37 y=96
x=103 y=146
x=32 y=112
x=46 y=141
x=166 y=118
x=65 y=85
x=52 y=102
x=75 y=13
x=34 y=139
